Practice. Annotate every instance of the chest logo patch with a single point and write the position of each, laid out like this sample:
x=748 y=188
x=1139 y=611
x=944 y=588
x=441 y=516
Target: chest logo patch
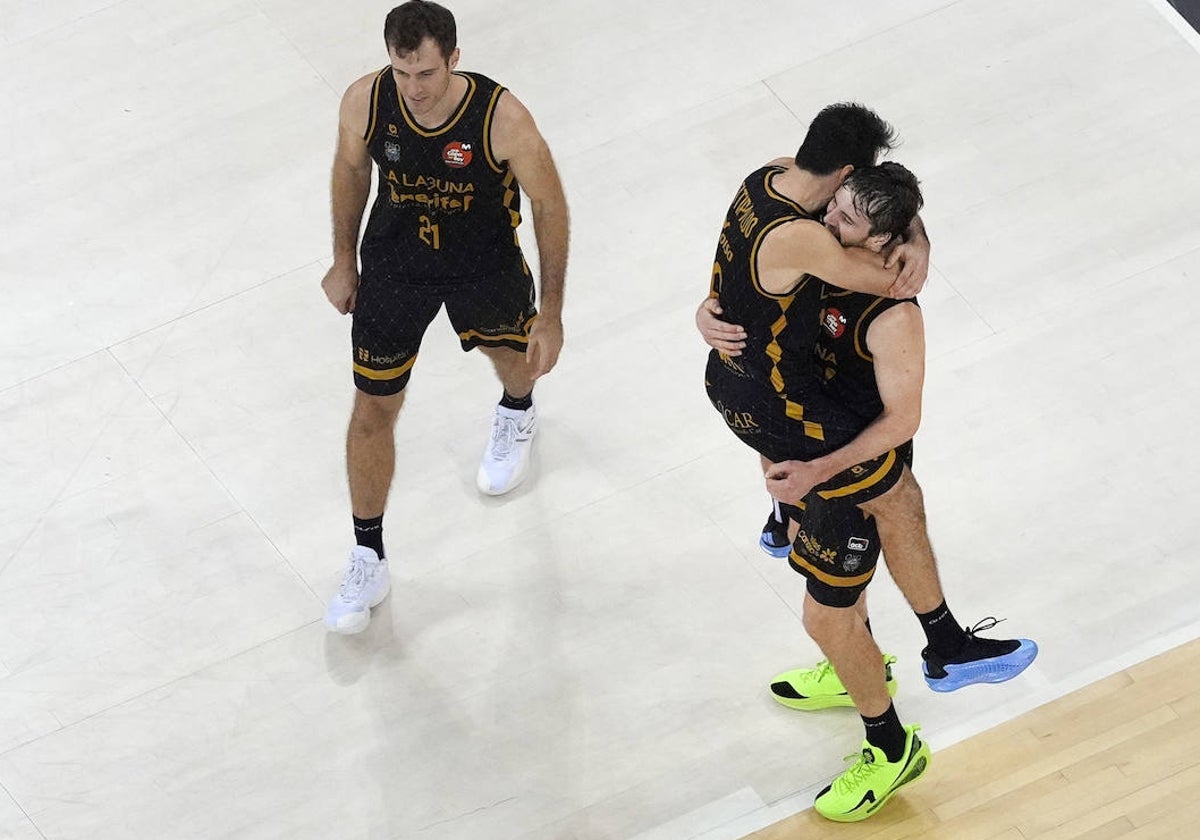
x=457 y=154
x=834 y=322
x=391 y=151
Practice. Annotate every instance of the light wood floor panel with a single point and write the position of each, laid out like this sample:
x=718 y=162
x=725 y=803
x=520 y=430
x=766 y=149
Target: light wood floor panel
x=1119 y=758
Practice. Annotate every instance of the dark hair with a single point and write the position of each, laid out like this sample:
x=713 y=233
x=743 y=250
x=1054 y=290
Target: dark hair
x=844 y=134
x=888 y=195
x=411 y=23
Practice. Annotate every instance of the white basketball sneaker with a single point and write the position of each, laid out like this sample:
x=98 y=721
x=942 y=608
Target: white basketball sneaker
x=365 y=585
x=506 y=459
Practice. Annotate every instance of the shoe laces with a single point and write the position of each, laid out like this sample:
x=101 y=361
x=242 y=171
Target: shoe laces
x=982 y=625
x=823 y=669
x=864 y=765
x=355 y=580
x=504 y=435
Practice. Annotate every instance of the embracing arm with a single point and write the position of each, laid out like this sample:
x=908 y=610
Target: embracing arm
x=912 y=255
x=516 y=139
x=807 y=247
x=896 y=340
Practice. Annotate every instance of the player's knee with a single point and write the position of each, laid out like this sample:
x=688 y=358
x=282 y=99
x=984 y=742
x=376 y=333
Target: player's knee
x=823 y=622
x=373 y=414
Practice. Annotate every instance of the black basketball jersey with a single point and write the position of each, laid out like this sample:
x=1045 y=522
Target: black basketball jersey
x=780 y=328
x=447 y=211
x=848 y=368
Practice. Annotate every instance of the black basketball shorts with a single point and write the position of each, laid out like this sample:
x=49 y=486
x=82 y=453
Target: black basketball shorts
x=390 y=318
x=837 y=546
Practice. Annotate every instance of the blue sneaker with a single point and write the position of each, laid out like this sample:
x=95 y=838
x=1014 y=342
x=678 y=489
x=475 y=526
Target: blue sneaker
x=980 y=661
x=774 y=539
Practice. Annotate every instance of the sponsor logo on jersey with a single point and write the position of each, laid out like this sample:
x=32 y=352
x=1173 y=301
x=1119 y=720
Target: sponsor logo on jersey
x=852 y=562
x=857 y=544
x=457 y=154
x=834 y=322
x=391 y=151
x=392 y=130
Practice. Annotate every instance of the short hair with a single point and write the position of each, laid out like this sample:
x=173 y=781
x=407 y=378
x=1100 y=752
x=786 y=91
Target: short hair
x=411 y=23
x=889 y=195
x=844 y=134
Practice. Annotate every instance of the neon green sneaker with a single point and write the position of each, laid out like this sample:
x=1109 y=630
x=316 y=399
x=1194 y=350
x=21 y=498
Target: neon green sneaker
x=809 y=689
x=871 y=780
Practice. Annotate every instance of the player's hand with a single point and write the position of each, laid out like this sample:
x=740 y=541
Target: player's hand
x=791 y=481
x=913 y=259
x=545 y=343
x=341 y=286
x=728 y=338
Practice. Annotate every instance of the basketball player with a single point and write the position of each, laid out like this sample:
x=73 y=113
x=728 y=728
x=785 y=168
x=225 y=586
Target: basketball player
x=954 y=657
x=760 y=396
x=453 y=151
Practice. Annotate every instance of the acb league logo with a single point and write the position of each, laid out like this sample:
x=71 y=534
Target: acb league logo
x=456 y=154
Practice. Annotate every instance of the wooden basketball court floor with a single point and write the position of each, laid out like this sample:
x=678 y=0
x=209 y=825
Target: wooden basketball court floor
x=588 y=658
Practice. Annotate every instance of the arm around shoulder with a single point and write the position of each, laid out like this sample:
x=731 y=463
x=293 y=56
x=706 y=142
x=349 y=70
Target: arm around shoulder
x=807 y=247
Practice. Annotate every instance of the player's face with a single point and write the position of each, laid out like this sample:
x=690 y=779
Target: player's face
x=423 y=76
x=845 y=221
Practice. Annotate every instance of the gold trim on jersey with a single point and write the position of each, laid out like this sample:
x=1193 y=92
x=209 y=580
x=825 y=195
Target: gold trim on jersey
x=859 y=339
x=754 y=263
x=450 y=123
x=389 y=373
x=511 y=191
x=774 y=193
x=871 y=480
x=795 y=411
x=374 y=119
x=824 y=576
x=487 y=130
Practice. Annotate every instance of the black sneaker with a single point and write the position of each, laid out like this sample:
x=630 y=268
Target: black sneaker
x=980 y=660
x=774 y=539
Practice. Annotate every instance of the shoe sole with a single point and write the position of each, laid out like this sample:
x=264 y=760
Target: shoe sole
x=780 y=551
x=485 y=487
x=815 y=704
x=364 y=618
x=998 y=669
x=920 y=765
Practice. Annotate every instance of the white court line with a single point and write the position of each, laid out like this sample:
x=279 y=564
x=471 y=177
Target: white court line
x=1178 y=21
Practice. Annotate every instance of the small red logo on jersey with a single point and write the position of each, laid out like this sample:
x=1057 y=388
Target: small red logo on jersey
x=457 y=154
x=834 y=321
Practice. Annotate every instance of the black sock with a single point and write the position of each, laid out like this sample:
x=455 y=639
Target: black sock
x=517 y=403
x=886 y=733
x=369 y=534
x=946 y=636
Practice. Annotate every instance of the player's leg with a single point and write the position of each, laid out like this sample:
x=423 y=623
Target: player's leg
x=495 y=315
x=954 y=655
x=853 y=536
x=389 y=322
x=892 y=754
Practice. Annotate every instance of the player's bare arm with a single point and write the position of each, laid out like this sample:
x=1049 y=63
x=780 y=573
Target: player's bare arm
x=350 y=187
x=896 y=340
x=807 y=247
x=912 y=256
x=516 y=139
x=727 y=338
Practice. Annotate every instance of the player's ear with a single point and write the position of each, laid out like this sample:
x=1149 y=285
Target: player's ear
x=844 y=173
x=453 y=62
x=881 y=241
